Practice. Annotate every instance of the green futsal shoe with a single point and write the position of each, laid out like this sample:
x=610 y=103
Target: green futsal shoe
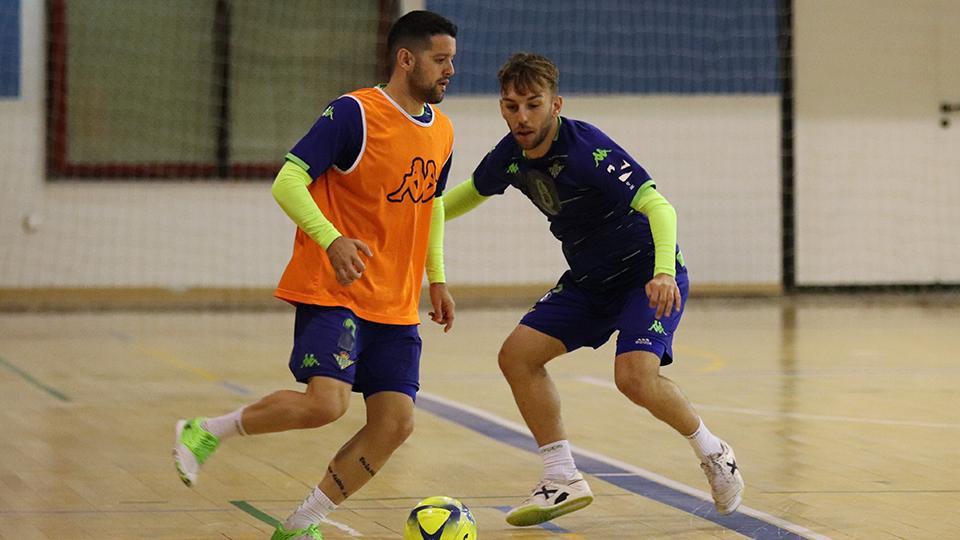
x=307 y=533
x=193 y=446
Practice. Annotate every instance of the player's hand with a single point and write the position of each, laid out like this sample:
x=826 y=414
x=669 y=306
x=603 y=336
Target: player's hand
x=344 y=254
x=664 y=294
x=443 y=306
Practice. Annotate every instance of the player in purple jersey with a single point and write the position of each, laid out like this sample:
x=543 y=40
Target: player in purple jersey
x=626 y=274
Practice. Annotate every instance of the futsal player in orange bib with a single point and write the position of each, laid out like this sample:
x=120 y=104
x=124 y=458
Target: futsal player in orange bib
x=364 y=187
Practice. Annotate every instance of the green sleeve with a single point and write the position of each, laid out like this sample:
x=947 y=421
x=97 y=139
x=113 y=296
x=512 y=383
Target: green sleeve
x=435 y=272
x=290 y=191
x=462 y=199
x=663 y=226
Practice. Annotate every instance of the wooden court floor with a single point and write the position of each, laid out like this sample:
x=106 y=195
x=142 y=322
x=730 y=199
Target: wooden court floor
x=843 y=412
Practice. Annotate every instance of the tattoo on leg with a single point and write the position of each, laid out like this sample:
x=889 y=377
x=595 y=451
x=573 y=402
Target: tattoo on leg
x=343 y=489
x=366 y=466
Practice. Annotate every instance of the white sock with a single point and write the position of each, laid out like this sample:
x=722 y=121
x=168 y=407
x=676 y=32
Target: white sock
x=558 y=461
x=312 y=510
x=704 y=443
x=225 y=426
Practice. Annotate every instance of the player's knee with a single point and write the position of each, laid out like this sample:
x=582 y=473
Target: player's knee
x=317 y=412
x=640 y=388
x=394 y=430
x=513 y=363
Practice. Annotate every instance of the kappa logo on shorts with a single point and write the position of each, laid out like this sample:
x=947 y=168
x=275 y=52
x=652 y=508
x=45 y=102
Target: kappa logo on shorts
x=309 y=360
x=343 y=359
x=420 y=184
x=658 y=328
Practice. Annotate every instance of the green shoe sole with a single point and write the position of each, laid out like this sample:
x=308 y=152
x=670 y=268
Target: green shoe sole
x=534 y=515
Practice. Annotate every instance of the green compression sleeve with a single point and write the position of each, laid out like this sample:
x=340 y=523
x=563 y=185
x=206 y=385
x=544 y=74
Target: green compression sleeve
x=462 y=199
x=435 y=272
x=290 y=191
x=663 y=226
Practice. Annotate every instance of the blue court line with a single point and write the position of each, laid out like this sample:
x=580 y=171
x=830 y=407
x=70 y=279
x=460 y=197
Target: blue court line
x=30 y=379
x=236 y=388
x=740 y=522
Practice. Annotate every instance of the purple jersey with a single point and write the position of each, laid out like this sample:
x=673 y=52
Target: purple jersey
x=584 y=186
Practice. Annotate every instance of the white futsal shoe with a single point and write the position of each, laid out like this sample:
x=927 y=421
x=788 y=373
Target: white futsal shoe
x=551 y=499
x=726 y=483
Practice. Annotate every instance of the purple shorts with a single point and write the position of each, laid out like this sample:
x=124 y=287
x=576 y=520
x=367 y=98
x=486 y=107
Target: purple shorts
x=579 y=318
x=373 y=357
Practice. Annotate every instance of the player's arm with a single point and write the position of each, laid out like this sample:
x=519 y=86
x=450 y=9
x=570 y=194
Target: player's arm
x=485 y=182
x=440 y=297
x=291 y=193
x=662 y=290
x=663 y=226
x=462 y=199
x=335 y=139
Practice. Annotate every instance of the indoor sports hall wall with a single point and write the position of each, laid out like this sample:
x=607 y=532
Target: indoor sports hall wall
x=876 y=174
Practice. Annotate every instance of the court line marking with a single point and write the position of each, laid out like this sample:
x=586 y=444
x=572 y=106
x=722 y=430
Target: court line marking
x=716 y=362
x=799 y=416
x=34 y=381
x=173 y=360
x=273 y=522
x=746 y=521
x=256 y=512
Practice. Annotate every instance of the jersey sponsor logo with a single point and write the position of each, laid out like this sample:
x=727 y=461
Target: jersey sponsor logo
x=419 y=185
x=600 y=154
x=328 y=112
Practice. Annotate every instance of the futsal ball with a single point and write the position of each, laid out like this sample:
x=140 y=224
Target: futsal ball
x=440 y=518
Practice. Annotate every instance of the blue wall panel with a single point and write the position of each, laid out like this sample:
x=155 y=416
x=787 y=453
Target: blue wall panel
x=9 y=48
x=622 y=46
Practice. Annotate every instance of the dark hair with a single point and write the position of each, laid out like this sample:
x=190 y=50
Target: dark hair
x=525 y=71
x=413 y=32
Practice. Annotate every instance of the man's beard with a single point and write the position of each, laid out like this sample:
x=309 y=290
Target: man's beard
x=427 y=92
x=540 y=136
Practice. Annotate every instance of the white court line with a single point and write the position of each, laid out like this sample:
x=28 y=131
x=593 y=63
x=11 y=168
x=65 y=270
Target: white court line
x=800 y=416
x=343 y=527
x=649 y=475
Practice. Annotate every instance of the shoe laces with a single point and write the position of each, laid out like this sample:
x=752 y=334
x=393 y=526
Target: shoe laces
x=535 y=492
x=715 y=470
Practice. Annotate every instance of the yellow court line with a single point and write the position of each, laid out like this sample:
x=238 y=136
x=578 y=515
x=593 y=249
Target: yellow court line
x=716 y=361
x=173 y=360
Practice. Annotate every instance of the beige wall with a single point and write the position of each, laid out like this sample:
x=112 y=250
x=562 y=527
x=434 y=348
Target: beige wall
x=878 y=178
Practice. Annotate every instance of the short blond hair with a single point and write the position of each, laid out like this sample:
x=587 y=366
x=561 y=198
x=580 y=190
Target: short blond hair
x=527 y=71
